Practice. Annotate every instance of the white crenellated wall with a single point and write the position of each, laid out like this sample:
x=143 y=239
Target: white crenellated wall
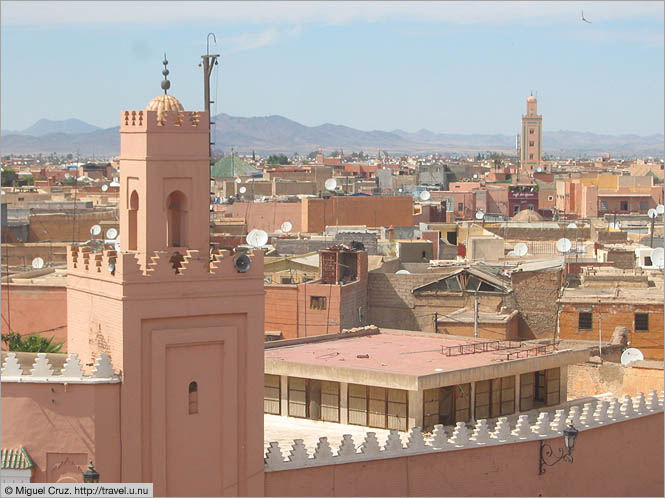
x=593 y=414
x=42 y=371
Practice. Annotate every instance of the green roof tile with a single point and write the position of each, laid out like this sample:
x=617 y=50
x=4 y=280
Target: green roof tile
x=229 y=168
x=16 y=459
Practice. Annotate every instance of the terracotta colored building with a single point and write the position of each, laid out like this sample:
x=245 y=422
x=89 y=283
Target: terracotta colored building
x=532 y=137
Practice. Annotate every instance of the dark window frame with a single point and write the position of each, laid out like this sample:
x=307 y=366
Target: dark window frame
x=642 y=325
x=585 y=320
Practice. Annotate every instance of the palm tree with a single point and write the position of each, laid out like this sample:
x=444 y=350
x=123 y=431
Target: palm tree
x=30 y=343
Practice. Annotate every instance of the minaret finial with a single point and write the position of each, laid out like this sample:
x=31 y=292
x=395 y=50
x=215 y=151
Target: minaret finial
x=166 y=84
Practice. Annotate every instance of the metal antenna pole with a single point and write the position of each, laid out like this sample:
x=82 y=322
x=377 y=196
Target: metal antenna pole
x=209 y=62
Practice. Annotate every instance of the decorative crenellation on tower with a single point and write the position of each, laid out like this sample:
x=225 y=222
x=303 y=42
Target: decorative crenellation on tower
x=532 y=137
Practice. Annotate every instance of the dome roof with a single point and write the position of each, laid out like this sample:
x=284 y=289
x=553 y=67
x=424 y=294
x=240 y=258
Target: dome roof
x=163 y=103
x=531 y=99
x=528 y=216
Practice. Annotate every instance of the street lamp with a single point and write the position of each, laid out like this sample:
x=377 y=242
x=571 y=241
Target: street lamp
x=546 y=451
x=91 y=475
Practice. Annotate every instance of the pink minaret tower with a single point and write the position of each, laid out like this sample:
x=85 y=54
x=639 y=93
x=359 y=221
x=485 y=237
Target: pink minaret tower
x=183 y=326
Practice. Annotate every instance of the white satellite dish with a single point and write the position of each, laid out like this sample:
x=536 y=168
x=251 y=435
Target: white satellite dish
x=511 y=254
x=95 y=230
x=572 y=225
x=116 y=245
x=242 y=190
x=630 y=355
x=402 y=272
x=563 y=245
x=539 y=170
x=660 y=209
x=238 y=180
x=330 y=184
x=38 y=263
x=111 y=233
x=475 y=175
x=68 y=176
x=658 y=257
x=521 y=249
x=111 y=266
x=105 y=188
x=425 y=195
x=480 y=215
x=652 y=213
x=286 y=227
x=257 y=238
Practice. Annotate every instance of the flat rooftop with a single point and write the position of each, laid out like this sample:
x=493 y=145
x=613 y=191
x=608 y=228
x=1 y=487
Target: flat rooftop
x=404 y=358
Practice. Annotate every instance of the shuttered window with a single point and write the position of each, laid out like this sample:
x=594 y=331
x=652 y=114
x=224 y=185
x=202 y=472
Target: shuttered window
x=463 y=403
x=377 y=407
x=329 y=401
x=271 y=394
x=357 y=404
x=553 y=382
x=397 y=409
x=297 y=397
x=527 y=391
x=507 y=395
x=482 y=400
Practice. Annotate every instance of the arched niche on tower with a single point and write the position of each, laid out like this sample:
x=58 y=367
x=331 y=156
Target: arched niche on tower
x=132 y=239
x=176 y=219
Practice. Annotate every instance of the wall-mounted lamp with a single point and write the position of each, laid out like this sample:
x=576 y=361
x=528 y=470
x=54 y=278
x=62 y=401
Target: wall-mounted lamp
x=546 y=451
x=91 y=475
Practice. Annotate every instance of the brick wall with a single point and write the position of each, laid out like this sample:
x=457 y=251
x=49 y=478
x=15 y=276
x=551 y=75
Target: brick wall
x=589 y=379
x=34 y=308
x=536 y=295
x=621 y=259
x=611 y=315
x=62 y=227
x=538 y=234
x=281 y=305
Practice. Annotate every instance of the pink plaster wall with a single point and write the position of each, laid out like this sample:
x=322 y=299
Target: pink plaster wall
x=621 y=459
x=63 y=427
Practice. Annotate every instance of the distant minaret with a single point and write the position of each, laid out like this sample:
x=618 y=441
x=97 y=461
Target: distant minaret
x=532 y=137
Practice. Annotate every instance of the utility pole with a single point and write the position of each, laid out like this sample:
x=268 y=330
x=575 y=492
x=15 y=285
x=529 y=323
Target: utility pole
x=475 y=315
x=209 y=62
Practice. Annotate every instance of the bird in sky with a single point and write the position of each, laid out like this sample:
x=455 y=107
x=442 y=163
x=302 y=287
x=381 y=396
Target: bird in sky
x=585 y=19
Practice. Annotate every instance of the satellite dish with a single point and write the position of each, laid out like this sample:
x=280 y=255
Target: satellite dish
x=572 y=225
x=38 y=263
x=660 y=209
x=521 y=249
x=652 y=213
x=563 y=245
x=111 y=233
x=242 y=190
x=68 y=176
x=242 y=263
x=257 y=238
x=330 y=184
x=475 y=175
x=539 y=170
x=658 y=257
x=116 y=245
x=95 y=230
x=511 y=254
x=286 y=227
x=480 y=215
x=403 y=272
x=630 y=355
x=238 y=180
x=111 y=267
x=105 y=188
x=425 y=195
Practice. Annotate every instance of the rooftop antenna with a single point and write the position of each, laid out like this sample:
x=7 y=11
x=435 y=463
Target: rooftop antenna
x=209 y=62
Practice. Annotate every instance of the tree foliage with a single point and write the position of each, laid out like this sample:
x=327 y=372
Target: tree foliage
x=31 y=343
x=278 y=159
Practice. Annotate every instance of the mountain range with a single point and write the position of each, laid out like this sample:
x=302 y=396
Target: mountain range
x=277 y=134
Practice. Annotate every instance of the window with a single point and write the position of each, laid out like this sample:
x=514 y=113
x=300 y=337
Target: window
x=460 y=206
x=585 y=321
x=317 y=303
x=176 y=204
x=531 y=143
x=516 y=209
x=271 y=394
x=641 y=322
x=530 y=207
x=644 y=205
x=648 y=261
x=530 y=156
x=133 y=220
x=550 y=198
x=530 y=131
x=193 y=398
x=624 y=205
x=603 y=205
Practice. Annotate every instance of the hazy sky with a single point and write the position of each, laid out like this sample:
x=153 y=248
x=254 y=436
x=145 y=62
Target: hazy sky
x=452 y=67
